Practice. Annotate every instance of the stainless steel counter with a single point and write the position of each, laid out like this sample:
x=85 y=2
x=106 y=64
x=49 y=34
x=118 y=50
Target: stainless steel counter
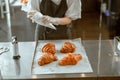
x=107 y=63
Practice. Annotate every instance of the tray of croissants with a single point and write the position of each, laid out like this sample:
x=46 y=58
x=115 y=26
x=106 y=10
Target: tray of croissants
x=60 y=57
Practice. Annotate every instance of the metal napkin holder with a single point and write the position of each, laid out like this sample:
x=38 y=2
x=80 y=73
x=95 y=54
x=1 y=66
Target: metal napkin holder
x=117 y=45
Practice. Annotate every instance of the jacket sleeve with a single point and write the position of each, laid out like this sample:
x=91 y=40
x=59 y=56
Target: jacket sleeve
x=74 y=9
x=35 y=4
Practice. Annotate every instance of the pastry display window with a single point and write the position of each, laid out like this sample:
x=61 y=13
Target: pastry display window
x=87 y=48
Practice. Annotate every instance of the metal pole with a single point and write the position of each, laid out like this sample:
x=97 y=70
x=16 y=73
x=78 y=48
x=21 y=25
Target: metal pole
x=100 y=38
x=2 y=10
x=8 y=20
x=1 y=76
x=36 y=32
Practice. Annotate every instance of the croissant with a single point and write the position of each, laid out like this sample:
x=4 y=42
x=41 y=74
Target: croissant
x=46 y=58
x=70 y=59
x=24 y=1
x=49 y=48
x=68 y=48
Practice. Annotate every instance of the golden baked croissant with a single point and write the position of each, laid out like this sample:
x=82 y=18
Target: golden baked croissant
x=49 y=48
x=68 y=48
x=46 y=58
x=24 y=1
x=70 y=59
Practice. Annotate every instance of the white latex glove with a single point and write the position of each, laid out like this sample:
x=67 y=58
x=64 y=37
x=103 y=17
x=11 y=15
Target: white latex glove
x=25 y=8
x=30 y=15
x=48 y=19
x=38 y=18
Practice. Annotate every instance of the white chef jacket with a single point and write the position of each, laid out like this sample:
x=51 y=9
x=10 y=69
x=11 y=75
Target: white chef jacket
x=73 y=11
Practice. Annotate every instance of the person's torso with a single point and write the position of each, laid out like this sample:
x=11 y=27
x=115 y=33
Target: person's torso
x=50 y=8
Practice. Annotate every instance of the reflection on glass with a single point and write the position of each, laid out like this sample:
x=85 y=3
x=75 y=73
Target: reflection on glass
x=21 y=26
x=111 y=19
x=24 y=29
x=16 y=23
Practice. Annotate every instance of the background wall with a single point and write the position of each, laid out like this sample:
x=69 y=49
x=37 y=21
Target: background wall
x=90 y=5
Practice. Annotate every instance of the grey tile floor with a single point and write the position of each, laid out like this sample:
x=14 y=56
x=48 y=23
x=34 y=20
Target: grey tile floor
x=3 y=30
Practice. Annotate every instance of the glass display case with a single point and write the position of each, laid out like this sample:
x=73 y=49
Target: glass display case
x=109 y=45
x=90 y=36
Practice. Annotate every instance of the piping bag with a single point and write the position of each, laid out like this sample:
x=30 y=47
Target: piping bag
x=37 y=17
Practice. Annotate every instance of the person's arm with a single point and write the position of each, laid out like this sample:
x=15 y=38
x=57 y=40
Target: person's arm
x=56 y=21
x=65 y=21
x=70 y=15
x=73 y=12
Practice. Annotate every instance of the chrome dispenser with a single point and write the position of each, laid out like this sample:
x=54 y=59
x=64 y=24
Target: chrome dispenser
x=15 y=48
x=117 y=45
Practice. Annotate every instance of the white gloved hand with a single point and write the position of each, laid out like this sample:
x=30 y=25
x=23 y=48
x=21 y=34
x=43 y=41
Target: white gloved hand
x=48 y=19
x=30 y=15
x=38 y=18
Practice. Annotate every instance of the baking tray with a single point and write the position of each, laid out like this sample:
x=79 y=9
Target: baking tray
x=83 y=66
